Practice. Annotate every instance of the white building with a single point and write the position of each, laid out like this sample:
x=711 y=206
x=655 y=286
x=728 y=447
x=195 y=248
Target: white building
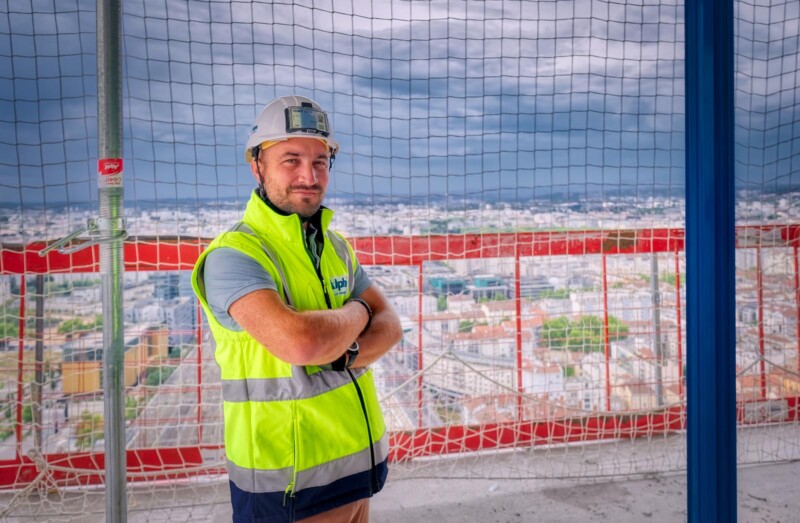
x=636 y=306
x=543 y=379
x=409 y=305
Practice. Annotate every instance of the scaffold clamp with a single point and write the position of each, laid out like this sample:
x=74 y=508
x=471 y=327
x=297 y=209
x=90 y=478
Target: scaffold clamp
x=93 y=227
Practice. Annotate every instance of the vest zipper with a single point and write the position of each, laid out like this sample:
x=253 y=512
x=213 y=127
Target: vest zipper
x=373 y=483
x=317 y=267
x=289 y=492
x=324 y=288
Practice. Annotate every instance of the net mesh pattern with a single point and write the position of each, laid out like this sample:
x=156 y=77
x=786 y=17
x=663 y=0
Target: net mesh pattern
x=511 y=175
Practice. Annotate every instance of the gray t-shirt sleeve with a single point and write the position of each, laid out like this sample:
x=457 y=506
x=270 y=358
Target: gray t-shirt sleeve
x=228 y=275
x=361 y=282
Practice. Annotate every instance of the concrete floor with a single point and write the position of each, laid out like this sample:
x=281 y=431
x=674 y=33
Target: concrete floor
x=766 y=494
x=607 y=482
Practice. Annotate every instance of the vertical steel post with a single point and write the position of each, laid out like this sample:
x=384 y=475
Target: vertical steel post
x=199 y=334
x=710 y=263
x=762 y=365
x=419 y=351
x=606 y=339
x=655 y=294
x=20 y=366
x=518 y=329
x=797 y=302
x=38 y=370
x=679 y=336
x=111 y=231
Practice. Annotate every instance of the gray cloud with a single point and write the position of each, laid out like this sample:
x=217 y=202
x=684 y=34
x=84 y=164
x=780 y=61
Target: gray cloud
x=417 y=90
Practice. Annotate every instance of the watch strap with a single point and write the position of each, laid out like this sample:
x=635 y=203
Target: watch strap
x=366 y=306
x=346 y=360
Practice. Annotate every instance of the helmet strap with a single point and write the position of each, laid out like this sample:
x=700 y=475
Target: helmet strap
x=255 y=154
x=262 y=191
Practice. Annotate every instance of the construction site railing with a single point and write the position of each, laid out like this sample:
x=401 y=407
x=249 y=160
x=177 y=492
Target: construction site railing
x=180 y=254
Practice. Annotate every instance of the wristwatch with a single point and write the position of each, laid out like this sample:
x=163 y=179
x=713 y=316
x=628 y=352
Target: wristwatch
x=364 y=303
x=346 y=360
x=352 y=354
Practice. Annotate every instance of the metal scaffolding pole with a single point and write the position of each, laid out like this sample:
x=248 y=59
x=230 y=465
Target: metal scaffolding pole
x=37 y=404
x=658 y=346
x=111 y=232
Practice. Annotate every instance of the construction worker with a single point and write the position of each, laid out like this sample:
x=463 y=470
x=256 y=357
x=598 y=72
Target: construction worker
x=297 y=323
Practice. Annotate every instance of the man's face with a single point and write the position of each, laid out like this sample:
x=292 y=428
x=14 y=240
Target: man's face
x=295 y=173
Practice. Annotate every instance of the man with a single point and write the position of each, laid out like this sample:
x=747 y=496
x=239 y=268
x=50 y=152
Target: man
x=296 y=322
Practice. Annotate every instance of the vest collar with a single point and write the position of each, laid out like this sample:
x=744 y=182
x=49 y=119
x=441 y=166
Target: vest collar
x=264 y=219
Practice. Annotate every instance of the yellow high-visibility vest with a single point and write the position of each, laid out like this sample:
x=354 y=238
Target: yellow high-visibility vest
x=302 y=439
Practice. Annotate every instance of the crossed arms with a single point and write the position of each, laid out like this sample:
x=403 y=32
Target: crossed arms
x=321 y=336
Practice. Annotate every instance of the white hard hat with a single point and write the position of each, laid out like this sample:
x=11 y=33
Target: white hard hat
x=290 y=117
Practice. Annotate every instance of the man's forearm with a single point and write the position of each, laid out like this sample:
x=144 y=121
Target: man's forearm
x=384 y=333
x=314 y=337
x=331 y=332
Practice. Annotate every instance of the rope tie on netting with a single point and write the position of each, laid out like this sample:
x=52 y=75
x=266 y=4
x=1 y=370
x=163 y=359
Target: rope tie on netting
x=524 y=395
x=759 y=358
x=528 y=396
x=413 y=377
x=42 y=482
x=503 y=386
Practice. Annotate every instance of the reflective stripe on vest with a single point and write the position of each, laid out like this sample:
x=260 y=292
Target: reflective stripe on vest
x=300 y=386
x=251 y=480
x=243 y=227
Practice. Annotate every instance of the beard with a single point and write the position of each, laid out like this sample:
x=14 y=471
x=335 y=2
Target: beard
x=291 y=201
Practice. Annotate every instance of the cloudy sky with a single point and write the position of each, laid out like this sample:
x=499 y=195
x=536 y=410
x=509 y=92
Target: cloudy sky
x=458 y=99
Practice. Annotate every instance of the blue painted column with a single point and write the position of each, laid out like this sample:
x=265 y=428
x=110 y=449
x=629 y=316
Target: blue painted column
x=710 y=266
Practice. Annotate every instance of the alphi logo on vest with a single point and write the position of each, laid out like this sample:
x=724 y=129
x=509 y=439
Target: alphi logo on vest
x=339 y=285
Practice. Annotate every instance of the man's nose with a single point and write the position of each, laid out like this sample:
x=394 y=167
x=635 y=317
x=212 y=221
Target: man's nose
x=308 y=174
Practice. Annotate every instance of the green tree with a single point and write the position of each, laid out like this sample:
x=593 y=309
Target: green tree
x=8 y=329
x=554 y=332
x=130 y=408
x=76 y=325
x=88 y=430
x=586 y=334
x=670 y=278
x=465 y=326
x=441 y=303
x=559 y=294
x=155 y=376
